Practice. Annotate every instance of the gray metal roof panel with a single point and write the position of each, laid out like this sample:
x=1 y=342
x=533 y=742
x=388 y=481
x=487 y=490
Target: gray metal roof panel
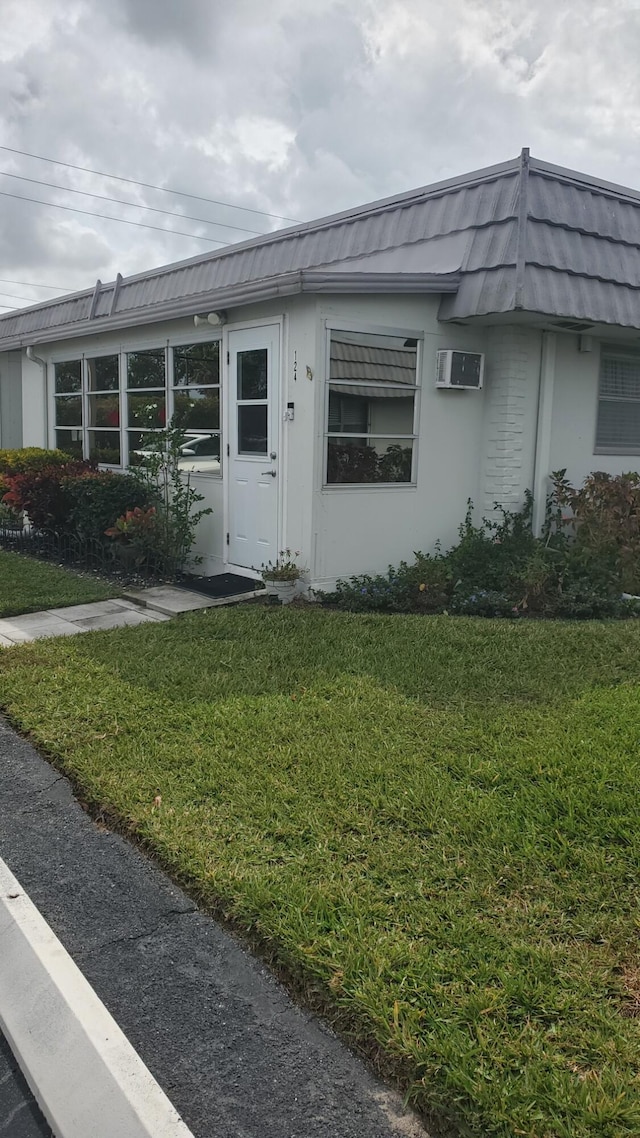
x=585 y=210
x=566 y=295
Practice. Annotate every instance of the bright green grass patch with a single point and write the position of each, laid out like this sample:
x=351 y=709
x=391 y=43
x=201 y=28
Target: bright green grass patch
x=27 y=585
x=434 y=822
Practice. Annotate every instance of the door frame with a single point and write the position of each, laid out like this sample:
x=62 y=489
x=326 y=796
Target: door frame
x=278 y=322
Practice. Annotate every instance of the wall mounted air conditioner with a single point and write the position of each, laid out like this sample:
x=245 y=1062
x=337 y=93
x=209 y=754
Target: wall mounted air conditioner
x=459 y=371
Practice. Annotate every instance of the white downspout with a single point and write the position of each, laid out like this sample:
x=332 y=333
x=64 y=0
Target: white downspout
x=43 y=364
x=543 y=432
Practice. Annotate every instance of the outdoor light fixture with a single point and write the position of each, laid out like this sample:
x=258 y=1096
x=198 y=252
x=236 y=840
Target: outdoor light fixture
x=215 y=318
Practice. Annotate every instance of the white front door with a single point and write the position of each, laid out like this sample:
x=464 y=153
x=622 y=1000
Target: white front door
x=254 y=468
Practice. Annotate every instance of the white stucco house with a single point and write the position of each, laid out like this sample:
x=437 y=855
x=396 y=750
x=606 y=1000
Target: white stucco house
x=320 y=412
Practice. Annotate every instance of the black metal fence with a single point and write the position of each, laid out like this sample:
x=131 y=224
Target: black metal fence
x=78 y=552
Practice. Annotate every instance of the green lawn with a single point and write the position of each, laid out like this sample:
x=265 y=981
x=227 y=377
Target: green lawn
x=431 y=824
x=27 y=585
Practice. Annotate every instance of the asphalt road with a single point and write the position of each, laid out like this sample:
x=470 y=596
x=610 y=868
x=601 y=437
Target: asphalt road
x=236 y=1057
x=19 y=1114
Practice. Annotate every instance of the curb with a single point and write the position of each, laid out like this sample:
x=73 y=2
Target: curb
x=84 y=1073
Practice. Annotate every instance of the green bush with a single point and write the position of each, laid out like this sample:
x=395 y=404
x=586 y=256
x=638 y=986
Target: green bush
x=40 y=493
x=27 y=459
x=30 y=458
x=95 y=500
x=75 y=499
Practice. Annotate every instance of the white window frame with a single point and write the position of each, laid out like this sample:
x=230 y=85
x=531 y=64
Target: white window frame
x=372 y=330
x=621 y=352
x=122 y=351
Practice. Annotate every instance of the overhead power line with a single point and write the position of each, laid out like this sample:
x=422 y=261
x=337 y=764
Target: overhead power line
x=134 y=205
x=148 y=185
x=12 y=296
x=107 y=217
x=32 y=284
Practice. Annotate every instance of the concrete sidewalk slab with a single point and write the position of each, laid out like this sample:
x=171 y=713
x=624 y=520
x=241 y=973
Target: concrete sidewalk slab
x=235 y=1056
x=172 y=601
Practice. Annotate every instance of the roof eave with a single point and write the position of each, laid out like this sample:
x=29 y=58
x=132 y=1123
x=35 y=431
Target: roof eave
x=288 y=284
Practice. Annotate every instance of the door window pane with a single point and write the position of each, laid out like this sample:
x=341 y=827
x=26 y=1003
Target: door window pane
x=252 y=374
x=146 y=369
x=68 y=377
x=104 y=373
x=69 y=411
x=196 y=365
x=252 y=429
x=104 y=446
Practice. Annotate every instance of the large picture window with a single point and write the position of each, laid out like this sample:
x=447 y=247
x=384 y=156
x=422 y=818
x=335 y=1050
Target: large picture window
x=106 y=407
x=618 y=425
x=371 y=408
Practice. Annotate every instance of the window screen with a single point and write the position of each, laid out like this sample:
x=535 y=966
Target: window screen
x=618 y=426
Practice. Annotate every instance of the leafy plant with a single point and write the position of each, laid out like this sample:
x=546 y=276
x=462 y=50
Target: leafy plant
x=176 y=499
x=41 y=493
x=284 y=568
x=136 y=535
x=603 y=516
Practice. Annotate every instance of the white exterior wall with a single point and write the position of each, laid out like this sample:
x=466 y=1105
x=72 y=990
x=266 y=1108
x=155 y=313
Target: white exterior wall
x=10 y=400
x=575 y=409
x=359 y=529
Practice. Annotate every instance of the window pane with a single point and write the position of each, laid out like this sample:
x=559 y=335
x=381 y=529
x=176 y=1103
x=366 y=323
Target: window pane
x=369 y=460
x=200 y=454
x=104 y=411
x=618 y=426
x=104 y=446
x=252 y=429
x=387 y=411
x=104 y=374
x=70 y=442
x=198 y=407
x=147 y=411
x=146 y=369
x=139 y=445
x=68 y=376
x=373 y=359
x=252 y=374
x=196 y=364
x=69 y=411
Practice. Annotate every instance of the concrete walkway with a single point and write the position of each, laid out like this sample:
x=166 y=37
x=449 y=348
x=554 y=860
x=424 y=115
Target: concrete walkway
x=138 y=607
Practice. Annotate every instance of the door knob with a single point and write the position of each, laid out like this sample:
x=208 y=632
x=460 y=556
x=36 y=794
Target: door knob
x=271 y=472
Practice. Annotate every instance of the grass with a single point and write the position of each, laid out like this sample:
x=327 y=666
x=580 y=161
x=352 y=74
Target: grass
x=429 y=823
x=27 y=585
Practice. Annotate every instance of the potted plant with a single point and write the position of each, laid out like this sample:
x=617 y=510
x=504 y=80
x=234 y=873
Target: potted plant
x=280 y=576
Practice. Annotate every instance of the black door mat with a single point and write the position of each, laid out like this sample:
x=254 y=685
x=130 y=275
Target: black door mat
x=222 y=585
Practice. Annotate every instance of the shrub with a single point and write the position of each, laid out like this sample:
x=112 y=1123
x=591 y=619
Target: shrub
x=604 y=519
x=41 y=494
x=26 y=459
x=136 y=536
x=97 y=499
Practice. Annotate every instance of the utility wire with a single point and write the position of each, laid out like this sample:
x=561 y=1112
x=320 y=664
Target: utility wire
x=135 y=205
x=107 y=217
x=32 y=284
x=32 y=299
x=149 y=185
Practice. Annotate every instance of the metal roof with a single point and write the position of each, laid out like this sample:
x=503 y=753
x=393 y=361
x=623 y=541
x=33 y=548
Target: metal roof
x=521 y=235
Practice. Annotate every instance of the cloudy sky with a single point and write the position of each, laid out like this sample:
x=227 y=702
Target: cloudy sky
x=296 y=108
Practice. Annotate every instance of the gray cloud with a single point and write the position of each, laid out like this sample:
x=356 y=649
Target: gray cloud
x=300 y=107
